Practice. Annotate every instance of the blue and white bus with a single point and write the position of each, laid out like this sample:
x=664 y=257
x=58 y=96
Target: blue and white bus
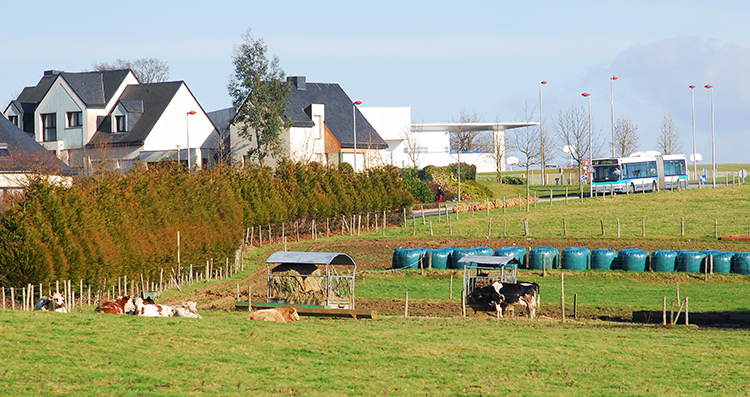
x=639 y=173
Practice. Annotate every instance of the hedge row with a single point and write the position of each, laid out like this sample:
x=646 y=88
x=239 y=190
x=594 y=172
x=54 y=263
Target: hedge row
x=112 y=224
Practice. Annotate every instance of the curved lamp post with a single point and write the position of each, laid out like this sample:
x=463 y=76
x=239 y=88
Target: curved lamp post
x=713 y=139
x=541 y=131
x=612 y=103
x=187 y=124
x=591 y=155
x=695 y=165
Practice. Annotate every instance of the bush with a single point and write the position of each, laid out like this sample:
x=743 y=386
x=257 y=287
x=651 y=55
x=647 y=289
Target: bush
x=512 y=180
x=468 y=171
x=420 y=190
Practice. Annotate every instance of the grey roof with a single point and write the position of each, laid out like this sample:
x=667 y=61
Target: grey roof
x=311 y=258
x=155 y=97
x=338 y=114
x=27 y=155
x=132 y=105
x=221 y=118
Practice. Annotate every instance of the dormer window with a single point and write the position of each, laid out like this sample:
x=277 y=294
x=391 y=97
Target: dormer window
x=120 y=124
x=14 y=119
x=75 y=119
x=4 y=150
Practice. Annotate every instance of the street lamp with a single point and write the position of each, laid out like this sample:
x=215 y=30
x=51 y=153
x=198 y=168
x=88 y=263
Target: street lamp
x=354 y=117
x=591 y=156
x=612 y=102
x=695 y=159
x=541 y=131
x=187 y=124
x=713 y=139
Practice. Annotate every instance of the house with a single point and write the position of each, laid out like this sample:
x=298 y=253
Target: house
x=429 y=143
x=107 y=117
x=21 y=157
x=323 y=122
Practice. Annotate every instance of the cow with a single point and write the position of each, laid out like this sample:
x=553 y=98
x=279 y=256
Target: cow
x=55 y=303
x=278 y=315
x=188 y=309
x=121 y=305
x=504 y=295
x=151 y=310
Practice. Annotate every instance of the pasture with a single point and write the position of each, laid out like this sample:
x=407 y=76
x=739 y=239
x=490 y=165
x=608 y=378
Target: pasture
x=435 y=351
x=88 y=354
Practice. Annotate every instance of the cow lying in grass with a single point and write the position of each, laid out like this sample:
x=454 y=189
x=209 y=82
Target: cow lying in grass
x=54 y=303
x=188 y=309
x=143 y=308
x=278 y=315
x=504 y=295
x=121 y=305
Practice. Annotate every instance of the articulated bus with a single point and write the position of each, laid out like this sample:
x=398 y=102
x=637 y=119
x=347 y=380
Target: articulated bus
x=639 y=173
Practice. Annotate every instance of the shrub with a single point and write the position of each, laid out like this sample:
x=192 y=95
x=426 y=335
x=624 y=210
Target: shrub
x=512 y=180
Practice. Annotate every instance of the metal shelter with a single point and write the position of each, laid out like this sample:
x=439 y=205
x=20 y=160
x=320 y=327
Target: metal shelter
x=311 y=278
x=480 y=271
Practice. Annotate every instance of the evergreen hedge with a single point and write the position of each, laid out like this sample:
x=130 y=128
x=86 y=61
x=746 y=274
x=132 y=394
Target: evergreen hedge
x=111 y=224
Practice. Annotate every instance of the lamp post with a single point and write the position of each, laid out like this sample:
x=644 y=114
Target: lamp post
x=541 y=131
x=591 y=155
x=713 y=139
x=612 y=103
x=187 y=124
x=695 y=165
x=354 y=117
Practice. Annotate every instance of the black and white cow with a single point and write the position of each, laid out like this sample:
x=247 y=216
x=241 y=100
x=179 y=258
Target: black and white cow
x=501 y=295
x=54 y=303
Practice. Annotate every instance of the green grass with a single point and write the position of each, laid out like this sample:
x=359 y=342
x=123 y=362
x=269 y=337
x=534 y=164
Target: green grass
x=223 y=354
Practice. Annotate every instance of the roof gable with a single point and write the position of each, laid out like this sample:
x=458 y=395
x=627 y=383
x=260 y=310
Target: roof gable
x=338 y=114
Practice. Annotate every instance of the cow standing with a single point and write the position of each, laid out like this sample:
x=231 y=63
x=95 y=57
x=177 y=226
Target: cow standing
x=504 y=295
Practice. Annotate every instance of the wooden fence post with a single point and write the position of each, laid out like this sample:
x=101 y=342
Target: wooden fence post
x=249 y=298
x=601 y=220
x=526 y=226
x=450 y=290
x=562 y=295
x=489 y=228
x=406 y=305
x=618 y=227
x=643 y=225
x=565 y=226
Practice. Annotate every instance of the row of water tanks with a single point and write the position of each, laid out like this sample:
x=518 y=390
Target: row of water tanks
x=630 y=259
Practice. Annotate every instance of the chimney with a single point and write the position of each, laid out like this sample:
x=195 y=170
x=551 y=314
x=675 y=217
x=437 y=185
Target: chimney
x=52 y=72
x=298 y=82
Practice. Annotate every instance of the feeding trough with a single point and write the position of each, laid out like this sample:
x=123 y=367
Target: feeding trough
x=316 y=283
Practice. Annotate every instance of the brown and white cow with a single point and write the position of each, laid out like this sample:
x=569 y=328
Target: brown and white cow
x=143 y=308
x=504 y=295
x=121 y=305
x=54 y=303
x=278 y=315
x=188 y=309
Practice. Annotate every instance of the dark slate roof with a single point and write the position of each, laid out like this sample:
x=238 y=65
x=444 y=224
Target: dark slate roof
x=338 y=114
x=95 y=89
x=154 y=97
x=27 y=155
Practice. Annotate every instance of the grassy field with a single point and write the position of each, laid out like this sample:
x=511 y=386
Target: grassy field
x=223 y=354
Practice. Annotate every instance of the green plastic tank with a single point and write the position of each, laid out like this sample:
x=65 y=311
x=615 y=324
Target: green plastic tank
x=456 y=255
x=574 y=258
x=440 y=257
x=722 y=262
x=406 y=258
x=689 y=262
x=663 y=261
x=543 y=256
x=741 y=263
x=602 y=258
x=632 y=259
x=517 y=252
x=483 y=251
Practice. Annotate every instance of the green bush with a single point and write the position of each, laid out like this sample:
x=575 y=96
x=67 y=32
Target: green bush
x=513 y=180
x=420 y=190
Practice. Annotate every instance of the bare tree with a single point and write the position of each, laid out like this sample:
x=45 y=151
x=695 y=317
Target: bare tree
x=626 y=137
x=669 y=142
x=572 y=128
x=146 y=70
x=497 y=153
x=413 y=144
x=526 y=141
x=465 y=139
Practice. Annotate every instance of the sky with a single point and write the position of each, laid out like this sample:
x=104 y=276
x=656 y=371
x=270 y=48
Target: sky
x=440 y=58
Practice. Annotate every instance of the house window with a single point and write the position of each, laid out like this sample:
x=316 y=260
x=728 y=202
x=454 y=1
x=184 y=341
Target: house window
x=49 y=127
x=14 y=119
x=4 y=150
x=120 y=124
x=75 y=119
